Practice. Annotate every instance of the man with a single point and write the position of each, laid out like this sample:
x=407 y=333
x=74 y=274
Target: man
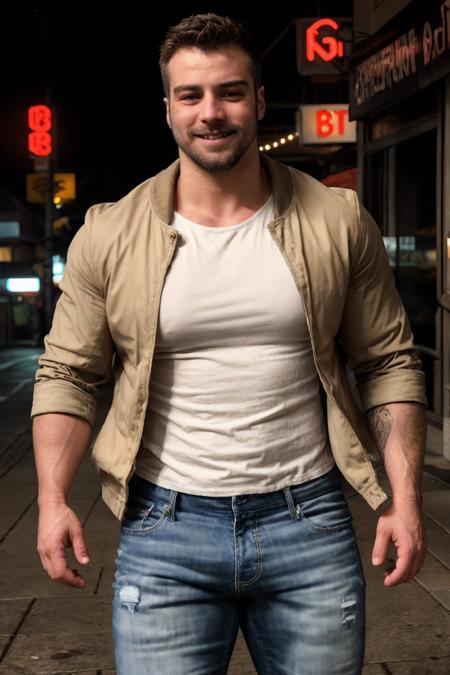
x=222 y=287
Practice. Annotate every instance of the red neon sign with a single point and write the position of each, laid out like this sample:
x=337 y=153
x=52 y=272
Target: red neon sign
x=40 y=123
x=328 y=48
x=330 y=121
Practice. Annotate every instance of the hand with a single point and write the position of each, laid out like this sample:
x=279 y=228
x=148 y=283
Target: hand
x=402 y=524
x=59 y=528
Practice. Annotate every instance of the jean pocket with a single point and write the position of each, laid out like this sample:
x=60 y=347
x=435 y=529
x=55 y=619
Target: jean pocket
x=143 y=516
x=327 y=512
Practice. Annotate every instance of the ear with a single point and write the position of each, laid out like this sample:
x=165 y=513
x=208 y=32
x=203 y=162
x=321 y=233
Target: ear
x=261 y=103
x=166 y=102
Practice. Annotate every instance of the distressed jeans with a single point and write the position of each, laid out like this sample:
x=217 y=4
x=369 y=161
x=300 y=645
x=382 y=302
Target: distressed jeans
x=283 y=566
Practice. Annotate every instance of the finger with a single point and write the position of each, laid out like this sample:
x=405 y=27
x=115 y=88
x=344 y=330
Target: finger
x=401 y=572
x=79 y=547
x=380 y=546
x=61 y=572
x=71 y=577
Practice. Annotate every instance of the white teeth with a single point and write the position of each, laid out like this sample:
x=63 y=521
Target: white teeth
x=212 y=137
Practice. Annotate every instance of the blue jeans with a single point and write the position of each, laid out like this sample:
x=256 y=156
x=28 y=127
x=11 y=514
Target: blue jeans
x=283 y=566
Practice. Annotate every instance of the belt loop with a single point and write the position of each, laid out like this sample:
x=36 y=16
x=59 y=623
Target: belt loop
x=171 y=506
x=293 y=509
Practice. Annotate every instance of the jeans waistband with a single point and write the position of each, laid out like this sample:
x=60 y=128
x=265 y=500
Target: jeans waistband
x=246 y=502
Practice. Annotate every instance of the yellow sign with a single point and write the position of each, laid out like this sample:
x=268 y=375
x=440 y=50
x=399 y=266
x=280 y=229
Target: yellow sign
x=39 y=185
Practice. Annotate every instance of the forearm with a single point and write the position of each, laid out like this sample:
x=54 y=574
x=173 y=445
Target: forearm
x=399 y=431
x=60 y=442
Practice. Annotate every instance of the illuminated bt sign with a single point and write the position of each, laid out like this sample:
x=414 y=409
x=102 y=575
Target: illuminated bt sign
x=40 y=135
x=325 y=123
x=323 y=45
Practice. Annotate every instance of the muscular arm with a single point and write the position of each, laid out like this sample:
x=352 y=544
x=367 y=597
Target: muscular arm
x=399 y=431
x=60 y=442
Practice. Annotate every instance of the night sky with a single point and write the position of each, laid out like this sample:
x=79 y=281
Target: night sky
x=101 y=68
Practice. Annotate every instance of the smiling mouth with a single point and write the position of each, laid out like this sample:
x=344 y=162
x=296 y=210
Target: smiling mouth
x=216 y=136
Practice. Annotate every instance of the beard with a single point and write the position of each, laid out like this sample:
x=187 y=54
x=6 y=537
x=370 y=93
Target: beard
x=224 y=160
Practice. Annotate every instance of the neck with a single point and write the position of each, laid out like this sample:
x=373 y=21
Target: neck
x=220 y=197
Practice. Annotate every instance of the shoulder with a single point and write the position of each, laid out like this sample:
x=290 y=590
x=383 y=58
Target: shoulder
x=312 y=194
x=328 y=212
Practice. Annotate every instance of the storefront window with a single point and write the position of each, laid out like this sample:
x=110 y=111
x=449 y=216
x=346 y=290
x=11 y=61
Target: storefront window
x=400 y=192
x=414 y=245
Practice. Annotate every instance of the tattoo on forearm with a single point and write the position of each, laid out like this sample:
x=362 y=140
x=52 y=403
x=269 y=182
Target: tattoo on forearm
x=381 y=423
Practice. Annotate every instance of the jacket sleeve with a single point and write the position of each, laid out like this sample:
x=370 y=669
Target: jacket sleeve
x=79 y=348
x=375 y=332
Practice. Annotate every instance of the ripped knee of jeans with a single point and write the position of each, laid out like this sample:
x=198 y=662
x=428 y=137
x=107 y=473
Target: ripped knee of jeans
x=129 y=597
x=348 y=607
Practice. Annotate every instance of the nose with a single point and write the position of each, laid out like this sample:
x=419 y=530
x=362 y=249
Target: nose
x=212 y=109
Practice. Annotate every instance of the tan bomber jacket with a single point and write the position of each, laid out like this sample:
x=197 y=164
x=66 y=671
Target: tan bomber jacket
x=110 y=299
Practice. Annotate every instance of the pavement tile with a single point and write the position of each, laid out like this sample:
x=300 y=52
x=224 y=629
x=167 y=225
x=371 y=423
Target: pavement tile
x=14 y=504
x=11 y=612
x=5 y=526
x=3 y=642
x=241 y=662
x=101 y=521
x=63 y=653
x=64 y=615
x=442 y=595
x=404 y=622
x=15 y=451
x=87 y=485
x=434 y=576
x=102 y=553
x=15 y=670
x=98 y=529
x=11 y=669
x=75 y=672
x=431 y=666
x=18 y=485
x=26 y=528
x=438 y=541
x=431 y=483
x=437 y=506
x=34 y=583
x=13 y=555
x=105 y=586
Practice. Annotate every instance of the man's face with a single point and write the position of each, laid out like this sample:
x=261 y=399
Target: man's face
x=212 y=107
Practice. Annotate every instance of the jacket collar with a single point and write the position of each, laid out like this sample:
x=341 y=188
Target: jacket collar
x=164 y=183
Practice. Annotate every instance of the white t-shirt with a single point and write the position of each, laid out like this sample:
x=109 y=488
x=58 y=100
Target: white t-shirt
x=234 y=403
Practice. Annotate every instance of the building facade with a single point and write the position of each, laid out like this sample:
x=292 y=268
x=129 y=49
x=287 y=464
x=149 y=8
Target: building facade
x=400 y=98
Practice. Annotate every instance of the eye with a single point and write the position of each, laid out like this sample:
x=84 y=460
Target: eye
x=232 y=94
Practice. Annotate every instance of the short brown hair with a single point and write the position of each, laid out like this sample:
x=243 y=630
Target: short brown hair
x=208 y=32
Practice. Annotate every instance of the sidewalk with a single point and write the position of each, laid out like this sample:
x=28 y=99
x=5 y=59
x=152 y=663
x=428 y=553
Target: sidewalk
x=50 y=628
